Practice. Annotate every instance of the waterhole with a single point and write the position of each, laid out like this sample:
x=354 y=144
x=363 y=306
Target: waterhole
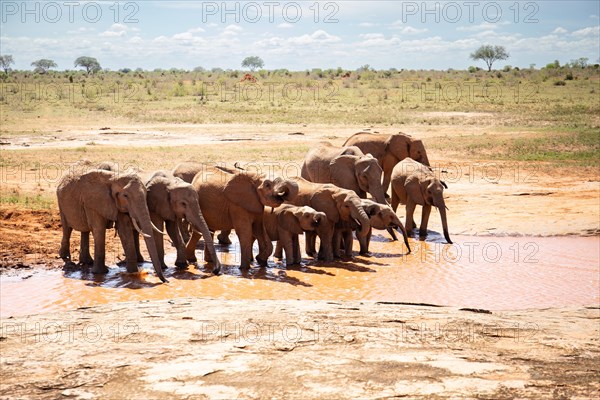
x=492 y=273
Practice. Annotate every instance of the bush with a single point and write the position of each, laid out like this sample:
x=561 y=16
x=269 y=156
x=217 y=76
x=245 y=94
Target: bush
x=473 y=69
x=569 y=76
x=560 y=83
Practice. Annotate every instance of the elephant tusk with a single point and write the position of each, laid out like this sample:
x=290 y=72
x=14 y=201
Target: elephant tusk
x=447 y=208
x=156 y=229
x=137 y=228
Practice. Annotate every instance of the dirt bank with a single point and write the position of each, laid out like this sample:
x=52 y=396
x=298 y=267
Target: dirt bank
x=199 y=348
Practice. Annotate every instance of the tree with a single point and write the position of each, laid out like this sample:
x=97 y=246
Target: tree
x=89 y=63
x=490 y=54
x=42 y=66
x=5 y=62
x=253 y=63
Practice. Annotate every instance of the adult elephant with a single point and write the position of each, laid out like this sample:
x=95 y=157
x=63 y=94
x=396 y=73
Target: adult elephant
x=415 y=184
x=169 y=200
x=339 y=205
x=186 y=171
x=389 y=150
x=345 y=167
x=237 y=201
x=92 y=201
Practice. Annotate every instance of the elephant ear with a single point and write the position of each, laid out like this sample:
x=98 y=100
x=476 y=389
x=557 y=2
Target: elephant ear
x=159 y=199
x=289 y=221
x=325 y=201
x=371 y=208
x=342 y=169
x=398 y=146
x=241 y=191
x=414 y=189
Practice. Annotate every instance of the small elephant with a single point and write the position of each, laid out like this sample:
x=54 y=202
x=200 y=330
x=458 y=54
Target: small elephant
x=415 y=184
x=346 y=167
x=339 y=205
x=169 y=200
x=91 y=201
x=285 y=223
x=381 y=216
x=389 y=150
x=237 y=201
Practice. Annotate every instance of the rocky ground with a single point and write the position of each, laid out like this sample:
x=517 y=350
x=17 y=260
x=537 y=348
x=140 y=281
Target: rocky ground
x=217 y=349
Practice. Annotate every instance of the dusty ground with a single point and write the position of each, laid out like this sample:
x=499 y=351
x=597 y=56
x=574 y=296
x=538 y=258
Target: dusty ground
x=199 y=348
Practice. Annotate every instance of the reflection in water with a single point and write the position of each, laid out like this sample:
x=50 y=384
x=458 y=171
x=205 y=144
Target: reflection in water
x=479 y=272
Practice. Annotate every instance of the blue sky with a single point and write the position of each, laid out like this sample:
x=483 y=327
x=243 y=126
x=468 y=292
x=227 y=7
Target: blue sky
x=297 y=35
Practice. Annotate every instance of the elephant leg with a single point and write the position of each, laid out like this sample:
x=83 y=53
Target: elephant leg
x=288 y=246
x=297 y=256
x=99 y=233
x=364 y=242
x=410 y=209
x=190 y=248
x=278 y=253
x=84 y=249
x=387 y=177
x=223 y=237
x=184 y=229
x=175 y=235
x=207 y=255
x=326 y=248
x=348 y=242
x=244 y=233
x=136 y=243
x=127 y=236
x=310 y=244
x=265 y=246
x=337 y=242
x=424 y=220
x=65 y=243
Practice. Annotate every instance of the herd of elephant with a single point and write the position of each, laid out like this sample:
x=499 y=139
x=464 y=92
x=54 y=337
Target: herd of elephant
x=328 y=201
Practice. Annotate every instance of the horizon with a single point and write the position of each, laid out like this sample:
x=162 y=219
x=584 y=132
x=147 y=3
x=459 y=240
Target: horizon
x=405 y=35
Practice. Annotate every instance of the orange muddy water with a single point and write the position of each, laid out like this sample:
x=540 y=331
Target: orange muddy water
x=496 y=273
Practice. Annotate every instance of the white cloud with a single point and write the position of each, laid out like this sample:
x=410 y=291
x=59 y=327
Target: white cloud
x=409 y=30
x=115 y=30
x=560 y=30
x=367 y=24
x=317 y=37
x=285 y=25
x=593 y=16
x=232 y=30
x=589 y=31
x=484 y=26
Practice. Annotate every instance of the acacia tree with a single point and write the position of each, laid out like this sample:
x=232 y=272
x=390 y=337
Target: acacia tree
x=42 y=66
x=89 y=63
x=490 y=54
x=253 y=63
x=5 y=62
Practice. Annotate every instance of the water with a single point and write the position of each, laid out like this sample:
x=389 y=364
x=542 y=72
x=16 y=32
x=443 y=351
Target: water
x=495 y=273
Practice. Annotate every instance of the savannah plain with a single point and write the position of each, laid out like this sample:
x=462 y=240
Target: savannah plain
x=519 y=150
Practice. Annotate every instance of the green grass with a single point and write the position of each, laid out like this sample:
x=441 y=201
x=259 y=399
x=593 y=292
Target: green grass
x=31 y=201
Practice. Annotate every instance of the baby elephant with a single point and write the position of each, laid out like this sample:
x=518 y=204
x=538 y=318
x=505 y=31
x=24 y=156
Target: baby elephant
x=285 y=223
x=415 y=184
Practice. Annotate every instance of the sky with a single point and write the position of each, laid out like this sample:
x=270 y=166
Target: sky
x=297 y=35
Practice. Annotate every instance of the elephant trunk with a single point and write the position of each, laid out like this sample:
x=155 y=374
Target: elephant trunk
x=442 y=210
x=196 y=219
x=379 y=195
x=401 y=229
x=143 y=217
x=363 y=219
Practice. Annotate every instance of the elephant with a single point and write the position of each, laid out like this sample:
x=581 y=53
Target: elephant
x=346 y=167
x=169 y=200
x=237 y=201
x=389 y=150
x=285 y=223
x=415 y=184
x=338 y=204
x=92 y=201
x=187 y=171
x=381 y=216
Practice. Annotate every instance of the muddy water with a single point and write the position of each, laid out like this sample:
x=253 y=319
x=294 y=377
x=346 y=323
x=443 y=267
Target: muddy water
x=480 y=272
